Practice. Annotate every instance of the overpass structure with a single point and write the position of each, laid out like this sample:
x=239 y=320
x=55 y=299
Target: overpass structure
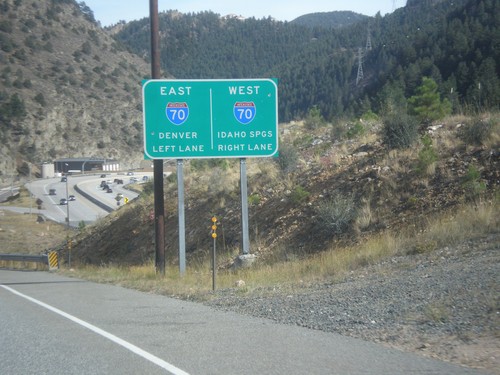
x=72 y=165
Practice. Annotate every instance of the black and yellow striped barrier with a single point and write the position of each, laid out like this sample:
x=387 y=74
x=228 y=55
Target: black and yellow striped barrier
x=53 y=261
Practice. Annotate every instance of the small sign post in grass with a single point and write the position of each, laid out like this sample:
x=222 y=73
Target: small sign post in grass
x=214 y=260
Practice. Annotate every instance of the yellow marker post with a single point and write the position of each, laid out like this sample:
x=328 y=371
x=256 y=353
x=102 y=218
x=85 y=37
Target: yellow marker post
x=69 y=253
x=214 y=261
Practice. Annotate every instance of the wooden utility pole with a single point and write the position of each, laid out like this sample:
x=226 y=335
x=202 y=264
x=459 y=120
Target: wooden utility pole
x=157 y=163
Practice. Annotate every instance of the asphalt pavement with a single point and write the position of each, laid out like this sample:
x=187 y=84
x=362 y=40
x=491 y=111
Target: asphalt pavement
x=58 y=325
x=87 y=191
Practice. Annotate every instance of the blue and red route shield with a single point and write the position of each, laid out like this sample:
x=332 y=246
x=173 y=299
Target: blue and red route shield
x=177 y=113
x=244 y=112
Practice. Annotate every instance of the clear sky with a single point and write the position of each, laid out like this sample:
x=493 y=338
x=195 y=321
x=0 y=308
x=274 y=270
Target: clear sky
x=111 y=11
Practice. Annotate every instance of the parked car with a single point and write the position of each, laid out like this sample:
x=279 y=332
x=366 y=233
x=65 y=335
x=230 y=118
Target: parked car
x=72 y=198
x=103 y=176
x=64 y=179
x=109 y=190
x=52 y=191
x=63 y=201
x=130 y=173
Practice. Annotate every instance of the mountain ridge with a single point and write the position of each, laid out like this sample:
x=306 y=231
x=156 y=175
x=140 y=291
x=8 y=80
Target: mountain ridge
x=76 y=90
x=334 y=19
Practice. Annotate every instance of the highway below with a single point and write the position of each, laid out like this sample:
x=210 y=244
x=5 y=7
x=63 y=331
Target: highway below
x=81 y=187
x=52 y=324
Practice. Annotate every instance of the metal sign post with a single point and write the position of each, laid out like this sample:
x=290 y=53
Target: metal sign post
x=69 y=253
x=67 y=200
x=244 y=206
x=182 y=221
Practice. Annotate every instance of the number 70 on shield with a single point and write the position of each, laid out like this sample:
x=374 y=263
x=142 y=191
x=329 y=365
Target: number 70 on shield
x=177 y=113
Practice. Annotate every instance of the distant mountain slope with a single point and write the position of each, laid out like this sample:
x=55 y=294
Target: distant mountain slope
x=334 y=20
x=205 y=45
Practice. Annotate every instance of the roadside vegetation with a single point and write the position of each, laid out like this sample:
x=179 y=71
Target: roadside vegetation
x=27 y=233
x=464 y=223
x=340 y=196
x=327 y=206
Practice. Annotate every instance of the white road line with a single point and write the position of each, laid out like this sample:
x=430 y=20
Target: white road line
x=150 y=357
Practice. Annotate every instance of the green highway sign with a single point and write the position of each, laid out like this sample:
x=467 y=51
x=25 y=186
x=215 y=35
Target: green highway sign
x=210 y=118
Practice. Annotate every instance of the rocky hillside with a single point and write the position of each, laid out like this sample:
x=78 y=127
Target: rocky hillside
x=319 y=193
x=67 y=89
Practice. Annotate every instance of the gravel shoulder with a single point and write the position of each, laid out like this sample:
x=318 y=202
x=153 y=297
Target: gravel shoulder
x=443 y=304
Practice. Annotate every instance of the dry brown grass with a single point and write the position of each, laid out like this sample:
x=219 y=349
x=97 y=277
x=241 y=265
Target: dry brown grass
x=365 y=216
x=20 y=233
x=468 y=222
x=439 y=231
x=446 y=229
x=21 y=200
x=400 y=161
x=282 y=266
x=494 y=139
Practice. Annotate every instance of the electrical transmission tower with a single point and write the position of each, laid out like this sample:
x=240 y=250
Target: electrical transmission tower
x=360 y=66
x=369 y=40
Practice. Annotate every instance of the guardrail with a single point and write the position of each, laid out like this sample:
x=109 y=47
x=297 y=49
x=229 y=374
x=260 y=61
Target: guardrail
x=25 y=258
x=49 y=259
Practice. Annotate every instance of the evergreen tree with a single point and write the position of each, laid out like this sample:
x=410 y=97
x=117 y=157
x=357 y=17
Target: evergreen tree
x=427 y=105
x=314 y=119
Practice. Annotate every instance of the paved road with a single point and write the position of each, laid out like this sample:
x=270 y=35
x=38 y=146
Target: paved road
x=56 y=325
x=81 y=209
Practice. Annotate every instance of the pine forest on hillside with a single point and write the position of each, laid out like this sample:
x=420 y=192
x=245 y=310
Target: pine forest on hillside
x=454 y=43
